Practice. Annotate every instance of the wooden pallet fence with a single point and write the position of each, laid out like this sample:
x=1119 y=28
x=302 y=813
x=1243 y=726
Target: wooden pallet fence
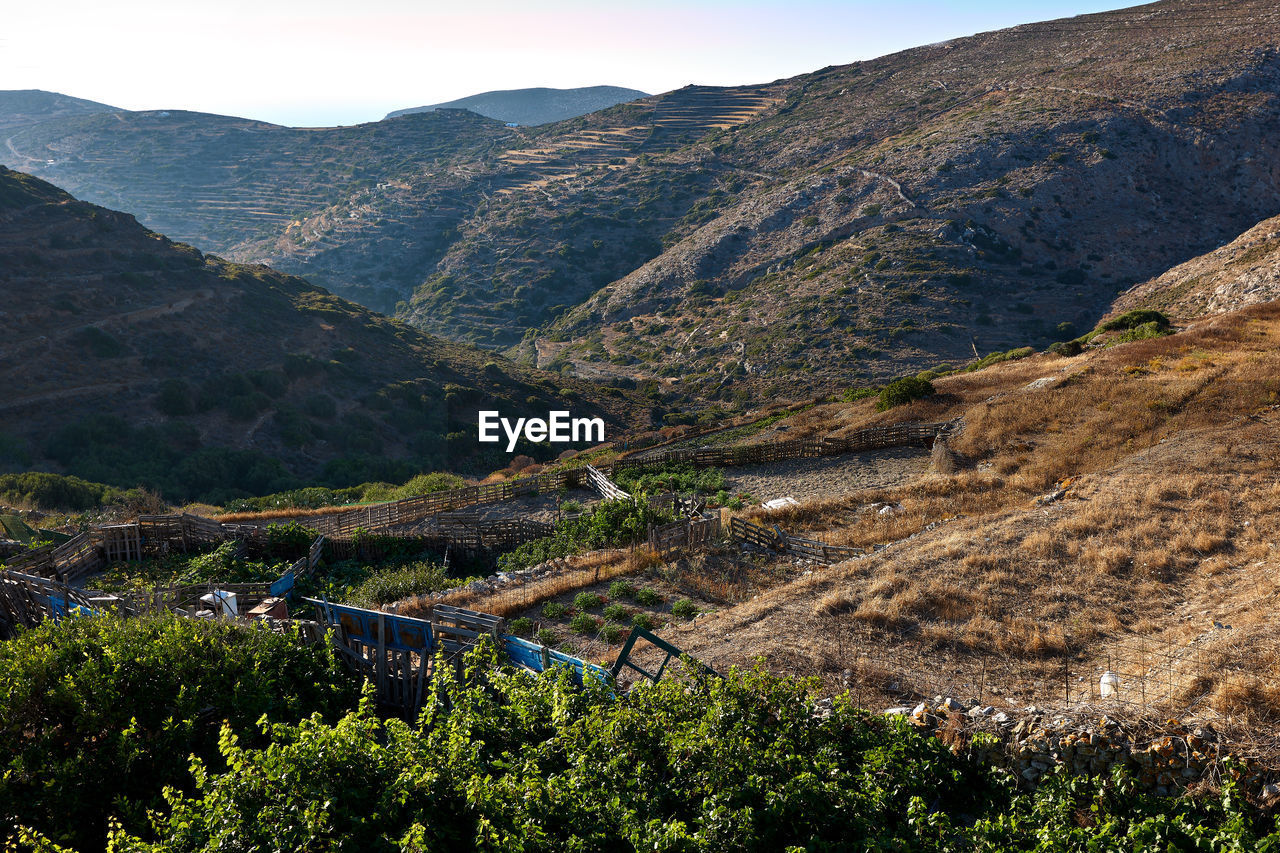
x=775 y=539
x=684 y=534
x=603 y=486
x=741 y=530
x=121 y=542
x=27 y=600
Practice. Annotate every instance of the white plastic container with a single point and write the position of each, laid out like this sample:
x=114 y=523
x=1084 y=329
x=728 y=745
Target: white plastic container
x=1109 y=684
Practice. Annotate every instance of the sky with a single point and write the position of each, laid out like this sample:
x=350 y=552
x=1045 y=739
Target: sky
x=331 y=62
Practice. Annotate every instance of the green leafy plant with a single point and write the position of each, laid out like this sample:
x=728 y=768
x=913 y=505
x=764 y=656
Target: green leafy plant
x=99 y=714
x=648 y=597
x=622 y=589
x=587 y=601
x=584 y=623
x=521 y=626
x=396 y=583
x=553 y=610
x=616 y=612
x=645 y=620
x=685 y=609
x=902 y=391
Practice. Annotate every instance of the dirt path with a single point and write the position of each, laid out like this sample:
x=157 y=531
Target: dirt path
x=829 y=477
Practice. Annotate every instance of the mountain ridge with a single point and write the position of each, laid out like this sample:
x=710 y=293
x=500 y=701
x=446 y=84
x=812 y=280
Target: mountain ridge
x=536 y=105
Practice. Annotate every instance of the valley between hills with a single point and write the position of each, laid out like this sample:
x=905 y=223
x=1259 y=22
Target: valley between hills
x=940 y=395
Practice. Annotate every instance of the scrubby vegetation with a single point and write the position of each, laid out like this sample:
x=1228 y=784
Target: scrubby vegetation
x=902 y=391
x=609 y=524
x=98 y=715
x=315 y=497
x=681 y=478
x=396 y=582
x=38 y=490
x=501 y=761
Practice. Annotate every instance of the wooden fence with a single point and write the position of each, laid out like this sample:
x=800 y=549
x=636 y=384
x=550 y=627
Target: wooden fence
x=776 y=539
x=343 y=523
x=684 y=534
x=605 y=487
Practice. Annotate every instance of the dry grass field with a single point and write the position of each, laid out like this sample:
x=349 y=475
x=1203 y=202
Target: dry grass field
x=1166 y=455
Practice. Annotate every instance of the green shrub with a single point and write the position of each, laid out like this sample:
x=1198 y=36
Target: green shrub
x=587 y=601
x=648 y=597
x=396 y=583
x=546 y=637
x=38 y=490
x=903 y=390
x=685 y=609
x=553 y=610
x=521 y=626
x=693 y=762
x=678 y=477
x=584 y=623
x=1135 y=318
x=644 y=620
x=99 y=714
x=614 y=633
x=608 y=525
x=622 y=589
x=616 y=612
x=1067 y=348
x=997 y=357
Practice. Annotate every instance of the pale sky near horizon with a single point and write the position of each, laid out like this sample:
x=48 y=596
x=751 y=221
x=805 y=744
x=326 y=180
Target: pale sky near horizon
x=326 y=62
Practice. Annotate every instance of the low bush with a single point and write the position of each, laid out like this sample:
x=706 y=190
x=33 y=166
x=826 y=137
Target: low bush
x=614 y=634
x=645 y=620
x=609 y=524
x=648 y=597
x=584 y=623
x=587 y=601
x=395 y=583
x=685 y=609
x=681 y=478
x=622 y=589
x=521 y=626
x=616 y=612
x=553 y=610
x=902 y=391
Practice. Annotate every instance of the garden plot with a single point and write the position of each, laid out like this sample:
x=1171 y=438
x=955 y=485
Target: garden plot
x=592 y=618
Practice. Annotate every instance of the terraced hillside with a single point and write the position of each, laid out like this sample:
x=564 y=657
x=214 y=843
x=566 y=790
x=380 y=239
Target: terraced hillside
x=20 y=108
x=976 y=195
x=833 y=229
x=129 y=359
x=221 y=182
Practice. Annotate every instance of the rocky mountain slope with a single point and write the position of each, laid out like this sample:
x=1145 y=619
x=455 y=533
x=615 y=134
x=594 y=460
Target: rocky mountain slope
x=536 y=106
x=1244 y=272
x=828 y=230
x=129 y=359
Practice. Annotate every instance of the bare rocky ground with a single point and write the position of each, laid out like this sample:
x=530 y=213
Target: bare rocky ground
x=544 y=507
x=828 y=477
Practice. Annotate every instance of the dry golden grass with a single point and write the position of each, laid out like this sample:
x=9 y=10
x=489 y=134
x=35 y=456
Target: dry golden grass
x=1168 y=523
x=272 y=514
x=585 y=571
